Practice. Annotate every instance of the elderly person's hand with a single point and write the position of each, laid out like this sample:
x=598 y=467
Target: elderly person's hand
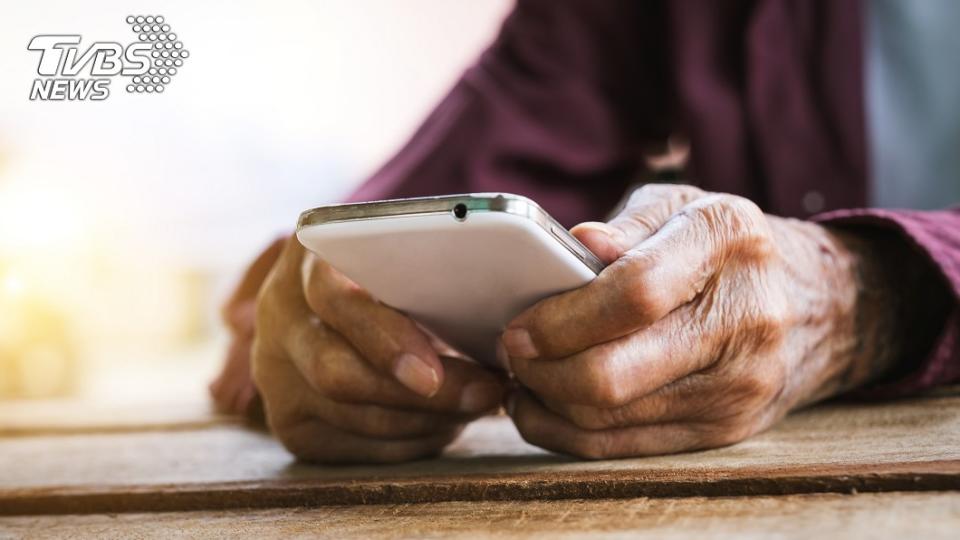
x=345 y=378
x=711 y=322
x=233 y=390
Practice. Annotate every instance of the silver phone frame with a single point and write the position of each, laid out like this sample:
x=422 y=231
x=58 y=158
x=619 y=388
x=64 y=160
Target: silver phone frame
x=517 y=205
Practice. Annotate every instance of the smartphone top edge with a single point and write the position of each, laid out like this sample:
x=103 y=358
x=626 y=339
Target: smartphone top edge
x=484 y=202
x=496 y=202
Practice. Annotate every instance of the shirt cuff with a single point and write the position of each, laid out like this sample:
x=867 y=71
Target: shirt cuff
x=934 y=235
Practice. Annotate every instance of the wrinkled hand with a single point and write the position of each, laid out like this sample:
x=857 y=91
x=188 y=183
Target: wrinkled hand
x=710 y=323
x=345 y=378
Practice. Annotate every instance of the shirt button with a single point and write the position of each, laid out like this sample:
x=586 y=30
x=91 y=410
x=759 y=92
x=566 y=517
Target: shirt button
x=813 y=201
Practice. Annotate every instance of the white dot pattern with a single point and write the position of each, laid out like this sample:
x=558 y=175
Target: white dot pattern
x=165 y=46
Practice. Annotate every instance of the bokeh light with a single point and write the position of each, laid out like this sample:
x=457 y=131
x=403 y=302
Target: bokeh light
x=124 y=223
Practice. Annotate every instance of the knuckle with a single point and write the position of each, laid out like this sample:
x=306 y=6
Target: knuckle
x=649 y=205
x=711 y=211
x=737 y=227
x=603 y=388
x=330 y=295
x=726 y=206
x=733 y=215
x=687 y=192
x=593 y=381
x=648 y=191
x=643 y=298
x=665 y=191
x=328 y=374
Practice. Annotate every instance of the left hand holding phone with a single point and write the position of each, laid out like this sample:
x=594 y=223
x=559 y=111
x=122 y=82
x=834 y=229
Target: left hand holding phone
x=345 y=378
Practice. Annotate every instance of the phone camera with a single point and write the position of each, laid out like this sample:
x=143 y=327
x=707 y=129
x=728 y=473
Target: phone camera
x=460 y=212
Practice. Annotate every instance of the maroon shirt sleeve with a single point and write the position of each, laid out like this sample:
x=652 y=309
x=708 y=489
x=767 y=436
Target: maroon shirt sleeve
x=566 y=100
x=936 y=237
x=549 y=111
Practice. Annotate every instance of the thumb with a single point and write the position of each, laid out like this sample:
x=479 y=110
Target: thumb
x=605 y=241
x=648 y=208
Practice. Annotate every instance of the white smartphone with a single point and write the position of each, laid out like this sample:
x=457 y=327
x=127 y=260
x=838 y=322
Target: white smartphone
x=463 y=266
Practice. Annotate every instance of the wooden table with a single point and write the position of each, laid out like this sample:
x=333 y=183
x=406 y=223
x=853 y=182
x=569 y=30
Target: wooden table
x=850 y=470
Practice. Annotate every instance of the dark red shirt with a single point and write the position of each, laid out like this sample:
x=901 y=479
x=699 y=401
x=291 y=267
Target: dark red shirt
x=572 y=95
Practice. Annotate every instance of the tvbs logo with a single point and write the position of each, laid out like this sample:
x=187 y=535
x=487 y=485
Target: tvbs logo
x=71 y=73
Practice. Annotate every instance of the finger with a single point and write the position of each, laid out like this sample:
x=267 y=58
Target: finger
x=664 y=272
x=384 y=423
x=695 y=397
x=230 y=387
x=723 y=395
x=645 y=212
x=541 y=427
x=241 y=318
x=334 y=368
x=369 y=420
x=618 y=372
x=386 y=338
x=245 y=398
x=291 y=408
x=312 y=440
x=236 y=311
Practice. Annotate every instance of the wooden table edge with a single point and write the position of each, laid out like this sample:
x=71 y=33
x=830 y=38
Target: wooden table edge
x=280 y=493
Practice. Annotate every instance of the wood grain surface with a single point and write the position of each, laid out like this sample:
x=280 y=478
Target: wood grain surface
x=873 y=516
x=908 y=445
x=19 y=418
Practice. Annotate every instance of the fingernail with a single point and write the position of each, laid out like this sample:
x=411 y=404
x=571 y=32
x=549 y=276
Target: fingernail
x=502 y=357
x=608 y=245
x=476 y=398
x=511 y=403
x=601 y=228
x=519 y=344
x=417 y=375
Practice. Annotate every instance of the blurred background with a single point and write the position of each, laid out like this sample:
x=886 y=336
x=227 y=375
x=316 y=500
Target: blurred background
x=125 y=222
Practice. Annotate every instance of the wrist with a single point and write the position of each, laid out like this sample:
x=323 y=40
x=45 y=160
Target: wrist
x=827 y=310
x=900 y=304
x=877 y=309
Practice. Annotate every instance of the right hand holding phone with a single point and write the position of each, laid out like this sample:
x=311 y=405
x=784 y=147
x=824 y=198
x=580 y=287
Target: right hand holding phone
x=345 y=378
